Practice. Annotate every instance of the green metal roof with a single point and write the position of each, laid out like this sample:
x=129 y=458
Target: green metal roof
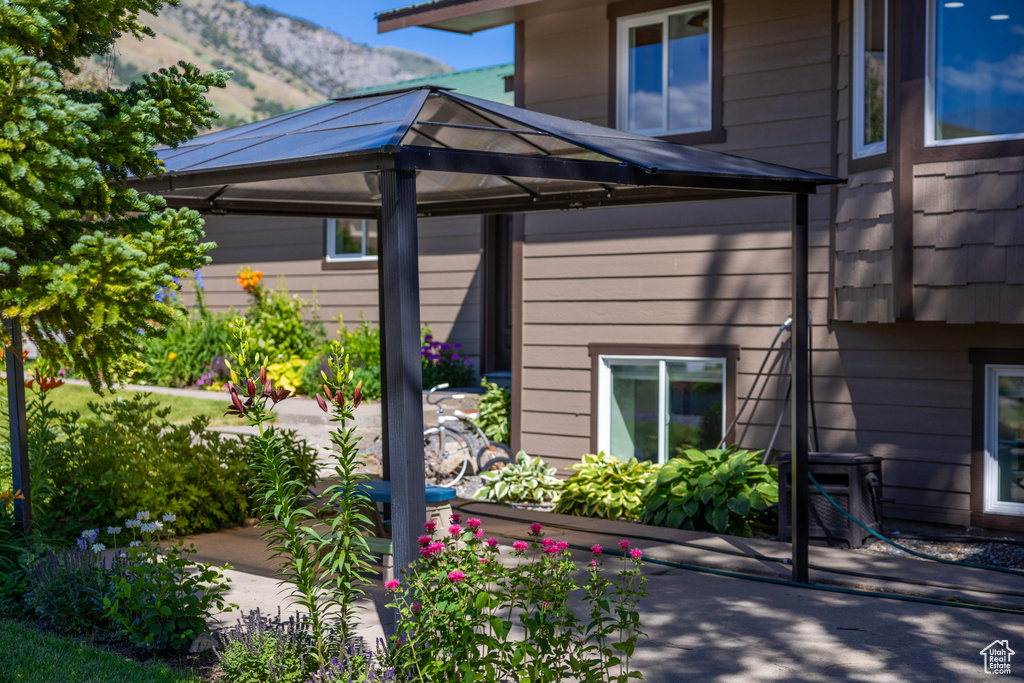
x=486 y=83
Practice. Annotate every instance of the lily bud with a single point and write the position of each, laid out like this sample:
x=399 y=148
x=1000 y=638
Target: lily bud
x=358 y=395
x=263 y=374
x=237 y=402
x=322 y=403
x=327 y=392
x=339 y=398
x=268 y=387
x=251 y=387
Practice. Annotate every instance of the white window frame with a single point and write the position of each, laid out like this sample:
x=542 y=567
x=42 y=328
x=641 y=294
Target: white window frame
x=991 y=475
x=622 y=67
x=857 y=128
x=604 y=385
x=331 y=226
x=929 y=94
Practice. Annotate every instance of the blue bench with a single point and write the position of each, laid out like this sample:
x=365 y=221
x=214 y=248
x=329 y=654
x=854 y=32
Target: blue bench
x=439 y=510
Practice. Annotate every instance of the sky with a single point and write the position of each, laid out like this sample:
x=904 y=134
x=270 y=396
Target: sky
x=354 y=20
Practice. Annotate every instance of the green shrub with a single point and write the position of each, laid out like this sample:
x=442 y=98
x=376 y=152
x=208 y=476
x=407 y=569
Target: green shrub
x=126 y=456
x=187 y=351
x=277 y=322
x=527 y=480
x=160 y=598
x=495 y=407
x=718 y=490
x=604 y=486
x=361 y=344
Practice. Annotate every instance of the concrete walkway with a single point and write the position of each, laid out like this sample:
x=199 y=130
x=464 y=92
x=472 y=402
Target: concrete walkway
x=712 y=628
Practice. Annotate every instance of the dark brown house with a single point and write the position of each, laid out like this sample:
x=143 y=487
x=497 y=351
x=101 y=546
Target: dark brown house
x=633 y=330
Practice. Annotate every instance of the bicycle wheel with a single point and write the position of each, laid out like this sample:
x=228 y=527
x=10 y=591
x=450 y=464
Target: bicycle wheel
x=496 y=464
x=489 y=451
x=445 y=457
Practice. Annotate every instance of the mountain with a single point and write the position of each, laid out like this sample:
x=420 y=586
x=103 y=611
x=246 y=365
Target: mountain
x=280 y=62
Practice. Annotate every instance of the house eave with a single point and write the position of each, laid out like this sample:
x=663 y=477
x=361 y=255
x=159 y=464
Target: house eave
x=454 y=16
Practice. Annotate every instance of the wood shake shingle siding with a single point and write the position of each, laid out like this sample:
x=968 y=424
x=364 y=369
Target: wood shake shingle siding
x=294 y=248
x=969 y=241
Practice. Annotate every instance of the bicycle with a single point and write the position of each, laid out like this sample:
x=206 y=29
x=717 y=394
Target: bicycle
x=457 y=444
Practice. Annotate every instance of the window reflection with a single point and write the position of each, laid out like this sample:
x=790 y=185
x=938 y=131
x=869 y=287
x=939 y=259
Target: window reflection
x=977 y=69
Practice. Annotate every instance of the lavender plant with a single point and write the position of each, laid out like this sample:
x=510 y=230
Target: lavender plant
x=259 y=649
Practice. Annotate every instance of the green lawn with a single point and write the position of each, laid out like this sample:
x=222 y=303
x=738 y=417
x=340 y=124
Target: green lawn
x=183 y=408
x=28 y=656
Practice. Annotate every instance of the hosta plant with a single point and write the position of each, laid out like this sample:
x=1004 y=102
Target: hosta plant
x=605 y=486
x=527 y=480
x=495 y=406
x=719 y=490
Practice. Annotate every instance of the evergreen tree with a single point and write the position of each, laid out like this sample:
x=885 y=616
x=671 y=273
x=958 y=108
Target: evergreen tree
x=84 y=258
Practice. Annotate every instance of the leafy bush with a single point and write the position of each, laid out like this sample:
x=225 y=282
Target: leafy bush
x=126 y=457
x=718 y=490
x=444 y=364
x=277 y=322
x=495 y=407
x=604 y=486
x=288 y=374
x=163 y=599
x=527 y=480
x=361 y=344
x=187 y=351
x=250 y=648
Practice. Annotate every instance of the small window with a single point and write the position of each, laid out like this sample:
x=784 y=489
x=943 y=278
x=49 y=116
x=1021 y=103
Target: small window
x=870 y=57
x=351 y=239
x=1004 y=439
x=975 y=73
x=649 y=407
x=664 y=79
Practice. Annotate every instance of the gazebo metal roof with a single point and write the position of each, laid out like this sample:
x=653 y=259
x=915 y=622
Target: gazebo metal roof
x=471 y=156
x=427 y=151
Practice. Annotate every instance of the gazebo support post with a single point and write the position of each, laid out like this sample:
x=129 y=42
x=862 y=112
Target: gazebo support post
x=18 y=425
x=402 y=423
x=798 y=469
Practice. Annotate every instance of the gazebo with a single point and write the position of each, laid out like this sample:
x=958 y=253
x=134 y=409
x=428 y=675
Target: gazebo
x=427 y=151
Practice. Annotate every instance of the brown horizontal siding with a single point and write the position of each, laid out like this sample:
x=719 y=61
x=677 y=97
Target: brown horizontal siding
x=294 y=248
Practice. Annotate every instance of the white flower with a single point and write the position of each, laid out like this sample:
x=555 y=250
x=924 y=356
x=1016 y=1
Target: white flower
x=142 y=516
x=113 y=530
x=150 y=527
x=132 y=523
x=88 y=532
x=98 y=547
x=169 y=518
x=135 y=544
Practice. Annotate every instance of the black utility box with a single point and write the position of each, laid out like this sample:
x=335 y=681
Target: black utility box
x=853 y=480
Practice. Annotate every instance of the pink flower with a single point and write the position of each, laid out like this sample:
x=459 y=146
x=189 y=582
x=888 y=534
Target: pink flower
x=479 y=533
x=473 y=523
x=430 y=526
x=456 y=576
x=392 y=585
x=551 y=550
x=596 y=549
x=424 y=540
x=595 y=563
x=492 y=543
x=484 y=560
x=535 y=529
x=624 y=544
x=636 y=553
x=519 y=547
x=562 y=545
x=455 y=530
x=548 y=542
x=456 y=518
x=432 y=550
x=545 y=604
x=416 y=608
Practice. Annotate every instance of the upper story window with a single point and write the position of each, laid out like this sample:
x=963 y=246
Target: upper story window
x=351 y=239
x=975 y=72
x=870 y=61
x=665 y=71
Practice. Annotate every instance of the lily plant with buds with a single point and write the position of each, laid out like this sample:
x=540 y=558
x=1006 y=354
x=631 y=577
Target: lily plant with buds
x=316 y=541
